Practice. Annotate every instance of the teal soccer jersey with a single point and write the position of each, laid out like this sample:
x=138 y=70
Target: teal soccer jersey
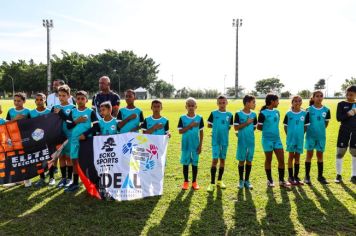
x=80 y=128
x=295 y=122
x=12 y=113
x=316 y=132
x=246 y=136
x=132 y=124
x=64 y=114
x=108 y=127
x=35 y=113
x=269 y=119
x=2 y=121
x=190 y=139
x=221 y=123
x=149 y=122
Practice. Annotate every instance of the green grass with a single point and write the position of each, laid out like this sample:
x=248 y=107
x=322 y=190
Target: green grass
x=320 y=210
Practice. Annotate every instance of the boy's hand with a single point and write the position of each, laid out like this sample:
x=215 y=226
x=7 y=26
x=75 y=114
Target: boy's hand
x=82 y=137
x=56 y=110
x=169 y=135
x=249 y=121
x=132 y=116
x=19 y=117
x=158 y=126
x=199 y=149
x=80 y=120
x=193 y=124
x=351 y=112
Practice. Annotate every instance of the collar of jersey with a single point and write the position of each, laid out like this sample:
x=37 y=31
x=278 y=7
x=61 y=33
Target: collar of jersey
x=41 y=111
x=191 y=117
x=109 y=120
x=19 y=110
x=156 y=119
x=296 y=112
x=318 y=108
x=221 y=111
x=130 y=109
x=82 y=110
x=246 y=113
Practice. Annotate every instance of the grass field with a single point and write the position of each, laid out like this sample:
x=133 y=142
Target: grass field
x=315 y=210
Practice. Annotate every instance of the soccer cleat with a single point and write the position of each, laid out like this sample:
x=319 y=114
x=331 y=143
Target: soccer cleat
x=211 y=188
x=185 y=185
x=62 y=183
x=298 y=181
x=72 y=188
x=27 y=183
x=353 y=179
x=68 y=183
x=248 y=185
x=292 y=181
x=322 y=180
x=195 y=186
x=221 y=184
x=52 y=182
x=338 y=179
x=270 y=184
x=241 y=184
x=307 y=181
x=40 y=183
x=284 y=184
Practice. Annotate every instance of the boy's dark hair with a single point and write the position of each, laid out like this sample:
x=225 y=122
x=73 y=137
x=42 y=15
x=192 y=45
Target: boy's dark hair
x=269 y=99
x=106 y=104
x=221 y=97
x=351 y=89
x=130 y=91
x=61 y=82
x=41 y=95
x=22 y=96
x=64 y=88
x=248 y=98
x=156 y=101
x=82 y=93
x=311 y=101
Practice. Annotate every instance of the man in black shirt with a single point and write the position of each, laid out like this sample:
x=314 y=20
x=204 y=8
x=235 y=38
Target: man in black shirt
x=105 y=95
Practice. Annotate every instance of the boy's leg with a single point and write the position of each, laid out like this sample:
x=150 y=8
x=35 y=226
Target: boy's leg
x=310 y=154
x=353 y=168
x=268 y=163
x=213 y=170
x=296 y=164
x=340 y=153
x=280 y=158
x=195 y=173
x=290 y=164
x=241 y=170
x=221 y=169
x=185 y=172
x=248 y=170
x=321 y=178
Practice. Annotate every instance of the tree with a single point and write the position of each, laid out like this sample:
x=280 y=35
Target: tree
x=320 y=84
x=286 y=94
x=338 y=94
x=347 y=83
x=182 y=93
x=161 y=88
x=230 y=91
x=265 y=86
x=305 y=93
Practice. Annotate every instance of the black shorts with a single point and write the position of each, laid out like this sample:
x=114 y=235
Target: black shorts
x=346 y=138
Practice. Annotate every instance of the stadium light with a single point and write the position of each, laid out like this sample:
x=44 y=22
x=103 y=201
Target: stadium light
x=48 y=24
x=237 y=23
x=13 y=85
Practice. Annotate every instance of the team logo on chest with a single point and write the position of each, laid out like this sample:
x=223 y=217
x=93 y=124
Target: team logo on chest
x=302 y=118
x=113 y=127
x=323 y=114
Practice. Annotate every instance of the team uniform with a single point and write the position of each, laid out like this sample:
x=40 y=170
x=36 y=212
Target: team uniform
x=269 y=119
x=80 y=128
x=149 y=122
x=221 y=123
x=246 y=136
x=53 y=100
x=99 y=98
x=190 y=139
x=132 y=124
x=35 y=113
x=12 y=113
x=316 y=131
x=347 y=131
x=108 y=127
x=295 y=122
x=64 y=114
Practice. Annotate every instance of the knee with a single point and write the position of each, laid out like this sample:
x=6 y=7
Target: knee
x=340 y=152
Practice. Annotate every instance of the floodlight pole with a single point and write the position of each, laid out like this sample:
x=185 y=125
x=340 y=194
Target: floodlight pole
x=48 y=24
x=237 y=23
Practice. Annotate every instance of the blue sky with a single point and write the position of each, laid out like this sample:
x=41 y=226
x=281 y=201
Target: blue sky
x=194 y=41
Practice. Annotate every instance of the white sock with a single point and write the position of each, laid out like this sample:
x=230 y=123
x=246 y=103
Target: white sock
x=339 y=165
x=353 y=166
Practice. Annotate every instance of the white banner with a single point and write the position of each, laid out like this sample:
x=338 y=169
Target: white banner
x=130 y=165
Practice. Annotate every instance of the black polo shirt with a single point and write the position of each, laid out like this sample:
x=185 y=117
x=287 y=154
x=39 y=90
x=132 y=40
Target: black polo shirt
x=99 y=98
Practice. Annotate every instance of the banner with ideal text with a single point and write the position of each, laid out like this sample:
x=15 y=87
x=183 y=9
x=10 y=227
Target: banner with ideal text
x=128 y=166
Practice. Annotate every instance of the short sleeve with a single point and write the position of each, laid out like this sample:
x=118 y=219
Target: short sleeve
x=237 y=119
x=261 y=118
x=144 y=125
x=231 y=120
x=115 y=100
x=166 y=126
x=119 y=116
x=8 y=117
x=307 y=119
x=93 y=102
x=285 y=121
x=328 y=115
x=141 y=117
x=201 y=125
x=255 y=121
x=180 y=123
x=93 y=117
x=211 y=119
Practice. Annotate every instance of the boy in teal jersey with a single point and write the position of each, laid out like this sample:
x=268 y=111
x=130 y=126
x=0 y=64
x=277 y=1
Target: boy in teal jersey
x=40 y=111
x=319 y=117
x=295 y=123
x=245 y=125
x=18 y=112
x=130 y=117
x=2 y=121
x=220 y=121
x=191 y=126
x=81 y=121
x=108 y=125
x=66 y=166
x=268 y=122
x=156 y=124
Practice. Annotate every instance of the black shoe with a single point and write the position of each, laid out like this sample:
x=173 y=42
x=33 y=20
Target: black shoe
x=307 y=181
x=353 y=179
x=338 y=179
x=322 y=180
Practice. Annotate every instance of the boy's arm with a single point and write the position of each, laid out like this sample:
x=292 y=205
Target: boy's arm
x=340 y=114
x=201 y=126
x=166 y=127
x=261 y=119
x=95 y=125
x=122 y=123
x=182 y=129
x=8 y=117
x=139 y=125
x=327 y=118
x=285 y=122
x=210 y=120
x=69 y=121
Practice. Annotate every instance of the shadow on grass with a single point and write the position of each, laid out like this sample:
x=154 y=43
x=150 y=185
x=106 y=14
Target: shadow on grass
x=77 y=213
x=277 y=220
x=176 y=216
x=245 y=215
x=348 y=190
x=211 y=220
x=338 y=219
